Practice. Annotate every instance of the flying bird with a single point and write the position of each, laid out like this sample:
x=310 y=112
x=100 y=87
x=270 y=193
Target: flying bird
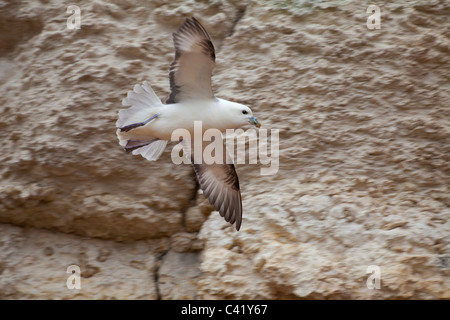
x=146 y=127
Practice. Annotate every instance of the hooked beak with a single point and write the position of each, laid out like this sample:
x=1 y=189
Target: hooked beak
x=254 y=122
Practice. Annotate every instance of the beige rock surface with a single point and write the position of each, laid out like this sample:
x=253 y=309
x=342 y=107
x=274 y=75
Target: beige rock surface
x=364 y=177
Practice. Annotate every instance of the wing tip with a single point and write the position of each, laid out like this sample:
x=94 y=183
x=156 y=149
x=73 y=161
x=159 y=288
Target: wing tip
x=192 y=24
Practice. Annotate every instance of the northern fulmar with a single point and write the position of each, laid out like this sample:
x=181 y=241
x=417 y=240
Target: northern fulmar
x=146 y=127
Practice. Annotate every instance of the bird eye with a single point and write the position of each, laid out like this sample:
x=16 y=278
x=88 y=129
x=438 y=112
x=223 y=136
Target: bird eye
x=244 y=112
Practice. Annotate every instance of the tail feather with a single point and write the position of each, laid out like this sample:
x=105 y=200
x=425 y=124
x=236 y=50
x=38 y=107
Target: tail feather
x=135 y=144
x=151 y=150
x=142 y=101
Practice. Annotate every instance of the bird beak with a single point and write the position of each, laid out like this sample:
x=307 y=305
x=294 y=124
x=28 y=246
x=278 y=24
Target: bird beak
x=254 y=122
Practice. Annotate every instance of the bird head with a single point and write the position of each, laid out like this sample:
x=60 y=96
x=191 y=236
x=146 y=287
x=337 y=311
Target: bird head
x=242 y=115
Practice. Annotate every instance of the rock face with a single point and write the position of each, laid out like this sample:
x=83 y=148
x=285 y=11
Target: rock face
x=362 y=192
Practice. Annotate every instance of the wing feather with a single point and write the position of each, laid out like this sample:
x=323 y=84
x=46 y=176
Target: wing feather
x=220 y=185
x=191 y=70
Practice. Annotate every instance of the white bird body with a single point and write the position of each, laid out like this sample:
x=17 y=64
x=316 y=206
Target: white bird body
x=213 y=114
x=146 y=127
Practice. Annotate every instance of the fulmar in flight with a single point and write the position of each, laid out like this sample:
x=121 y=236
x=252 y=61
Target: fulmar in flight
x=146 y=127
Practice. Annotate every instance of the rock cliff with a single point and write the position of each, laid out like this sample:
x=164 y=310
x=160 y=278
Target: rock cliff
x=364 y=154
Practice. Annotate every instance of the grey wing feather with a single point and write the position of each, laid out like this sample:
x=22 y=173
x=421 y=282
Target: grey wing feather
x=220 y=185
x=191 y=70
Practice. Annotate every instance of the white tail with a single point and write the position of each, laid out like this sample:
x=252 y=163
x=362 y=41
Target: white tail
x=153 y=150
x=143 y=102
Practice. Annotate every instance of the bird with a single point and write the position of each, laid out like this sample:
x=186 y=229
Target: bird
x=147 y=126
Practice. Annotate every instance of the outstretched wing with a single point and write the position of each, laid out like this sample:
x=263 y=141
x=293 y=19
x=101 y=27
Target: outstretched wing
x=220 y=185
x=190 y=72
x=219 y=182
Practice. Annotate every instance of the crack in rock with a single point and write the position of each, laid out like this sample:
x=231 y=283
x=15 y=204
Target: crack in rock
x=159 y=262
x=240 y=14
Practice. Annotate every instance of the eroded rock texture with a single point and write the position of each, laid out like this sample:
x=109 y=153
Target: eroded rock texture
x=364 y=171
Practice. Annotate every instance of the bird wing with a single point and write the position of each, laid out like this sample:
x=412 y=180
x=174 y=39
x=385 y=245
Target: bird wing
x=219 y=182
x=190 y=72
